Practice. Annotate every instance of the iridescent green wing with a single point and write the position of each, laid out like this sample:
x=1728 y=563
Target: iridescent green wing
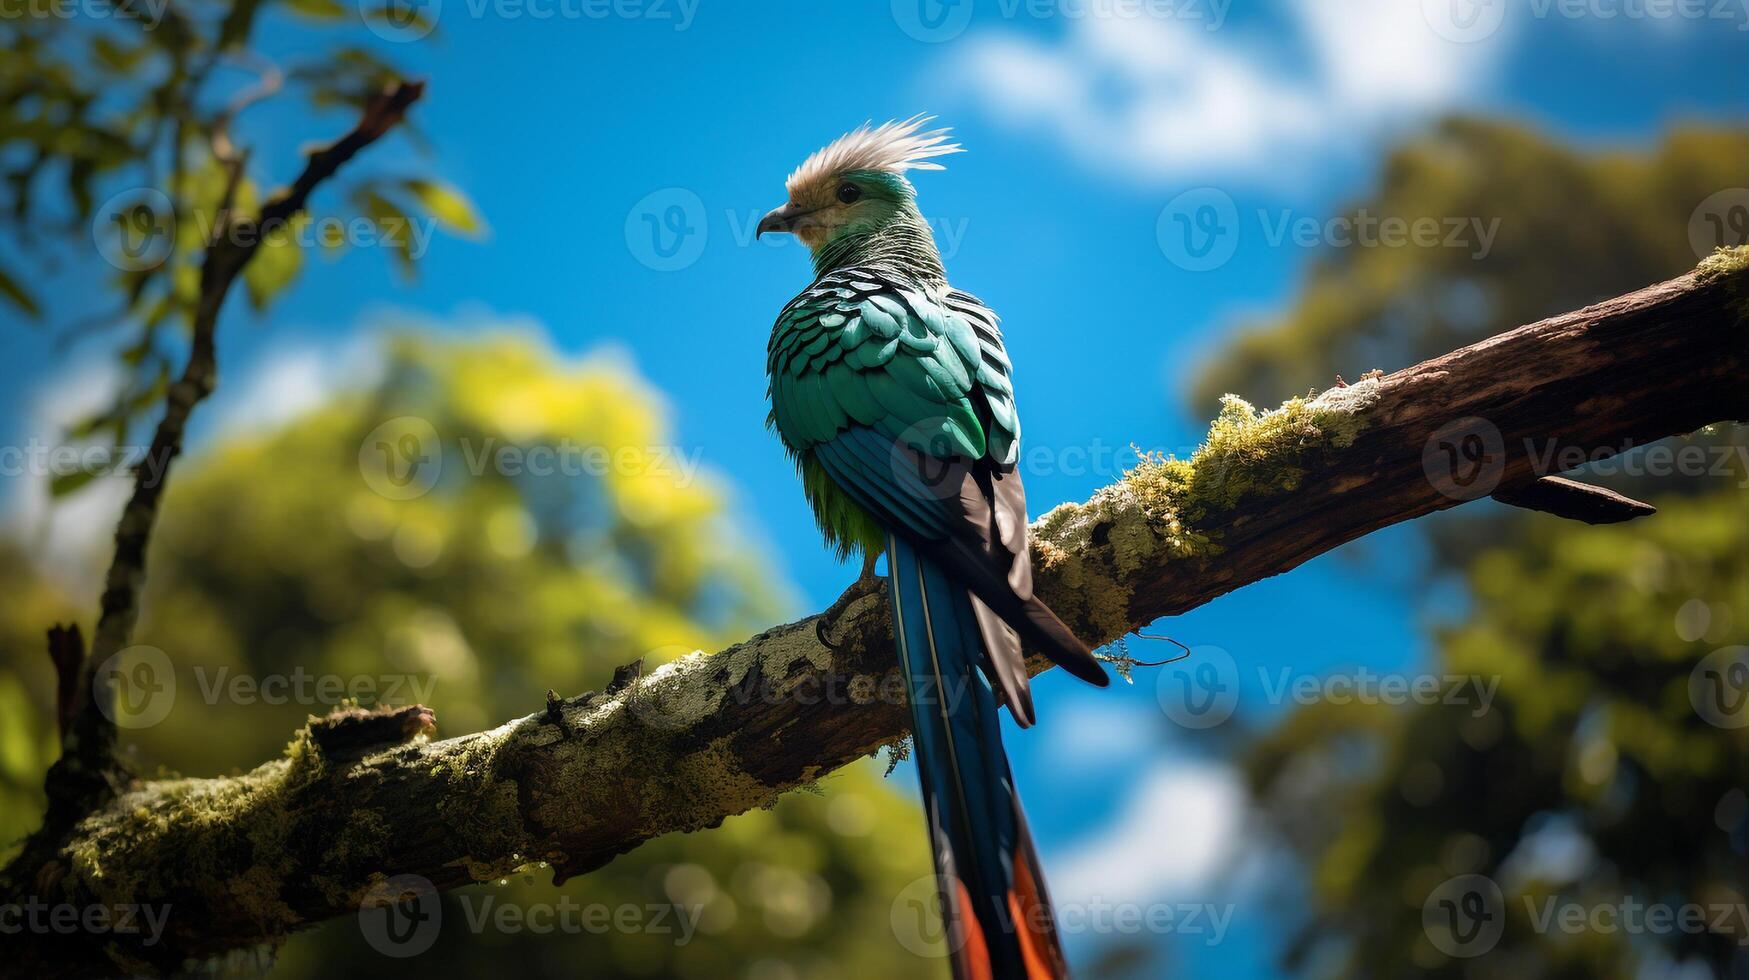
x=860 y=363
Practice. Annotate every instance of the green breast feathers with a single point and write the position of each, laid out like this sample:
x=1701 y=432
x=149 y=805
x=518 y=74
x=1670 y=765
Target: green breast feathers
x=921 y=366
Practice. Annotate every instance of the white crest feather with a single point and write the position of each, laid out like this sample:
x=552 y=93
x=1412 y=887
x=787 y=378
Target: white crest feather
x=892 y=146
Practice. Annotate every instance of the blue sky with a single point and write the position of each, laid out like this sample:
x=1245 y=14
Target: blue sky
x=587 y=140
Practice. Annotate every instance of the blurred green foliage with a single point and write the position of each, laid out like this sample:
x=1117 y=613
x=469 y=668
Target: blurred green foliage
x=114 y=137
x=1594 y=778
x=1575 y=227
x=1591 y=778
x=488 y=583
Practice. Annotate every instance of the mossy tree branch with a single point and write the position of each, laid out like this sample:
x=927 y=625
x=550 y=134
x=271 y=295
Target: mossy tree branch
x=243 y=861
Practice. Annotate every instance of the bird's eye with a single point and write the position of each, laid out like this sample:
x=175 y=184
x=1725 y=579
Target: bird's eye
x=848 y=193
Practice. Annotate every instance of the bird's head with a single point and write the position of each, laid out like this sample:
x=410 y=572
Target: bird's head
x=855 y=186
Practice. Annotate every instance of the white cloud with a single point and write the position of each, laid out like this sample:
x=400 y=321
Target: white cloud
x=1173 y=834
x=294 y=376
x=1382 y=57
x=1160 y=98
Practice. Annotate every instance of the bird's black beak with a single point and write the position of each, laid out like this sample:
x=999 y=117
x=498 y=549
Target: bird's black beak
x=781 y=219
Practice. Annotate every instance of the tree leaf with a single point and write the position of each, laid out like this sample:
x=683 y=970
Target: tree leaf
x=10 y=289
x=275 y=265
x=394 y=227
x=62 y=484
x=448 y=205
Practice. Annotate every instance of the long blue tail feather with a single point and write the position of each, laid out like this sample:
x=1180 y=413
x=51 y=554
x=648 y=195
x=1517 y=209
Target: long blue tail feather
x=993 y=902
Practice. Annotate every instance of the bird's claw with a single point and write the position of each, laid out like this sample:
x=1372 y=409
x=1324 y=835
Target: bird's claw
x=866 y=583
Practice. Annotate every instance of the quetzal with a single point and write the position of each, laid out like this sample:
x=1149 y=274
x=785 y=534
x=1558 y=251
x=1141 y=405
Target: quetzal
x=893 y=392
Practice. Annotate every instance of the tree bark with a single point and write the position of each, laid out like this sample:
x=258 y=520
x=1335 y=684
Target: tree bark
x=240 y=862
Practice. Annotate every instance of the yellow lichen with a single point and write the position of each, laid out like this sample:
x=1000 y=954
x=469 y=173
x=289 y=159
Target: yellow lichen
x=704 y=786
x=1724 y=262
x=1170 y=508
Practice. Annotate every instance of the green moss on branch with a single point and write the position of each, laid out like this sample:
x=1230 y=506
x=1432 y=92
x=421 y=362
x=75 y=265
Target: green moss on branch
x=1167 y=508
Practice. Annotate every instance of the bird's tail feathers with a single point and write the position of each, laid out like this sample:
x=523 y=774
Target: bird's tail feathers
x=1039 y=627
x=996 y=914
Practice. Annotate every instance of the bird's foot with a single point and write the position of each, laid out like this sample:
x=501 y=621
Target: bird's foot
x=866 y=584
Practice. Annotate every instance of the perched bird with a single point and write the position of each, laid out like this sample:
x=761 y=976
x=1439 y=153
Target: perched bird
x=892 y=391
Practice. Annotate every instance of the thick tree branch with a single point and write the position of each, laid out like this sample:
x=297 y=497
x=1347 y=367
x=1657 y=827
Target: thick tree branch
x=244 y=860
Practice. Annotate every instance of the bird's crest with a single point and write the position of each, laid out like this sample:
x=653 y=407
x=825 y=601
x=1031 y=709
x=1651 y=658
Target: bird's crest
x=894 y=147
